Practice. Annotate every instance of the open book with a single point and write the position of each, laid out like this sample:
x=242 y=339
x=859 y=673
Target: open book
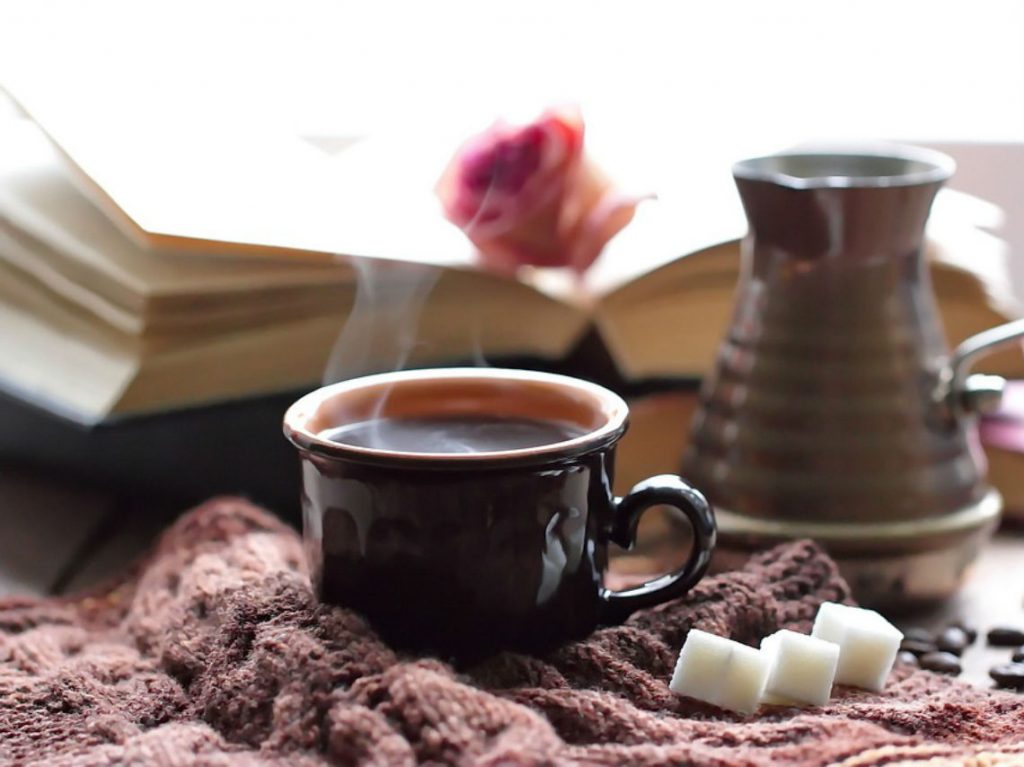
x=110 y=308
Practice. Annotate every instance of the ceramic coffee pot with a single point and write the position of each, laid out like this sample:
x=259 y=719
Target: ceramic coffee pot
x=836 y=410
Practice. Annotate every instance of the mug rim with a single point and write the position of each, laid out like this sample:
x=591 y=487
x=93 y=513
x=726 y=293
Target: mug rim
x=614 y=409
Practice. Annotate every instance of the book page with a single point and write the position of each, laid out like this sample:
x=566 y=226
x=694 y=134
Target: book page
x=38 y=198
x=169 y=179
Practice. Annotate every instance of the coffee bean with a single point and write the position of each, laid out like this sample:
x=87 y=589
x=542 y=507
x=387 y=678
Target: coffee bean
x=1018 y=655
x=942 y=662
x=907 y=659
x=1005 y=636
x=952 y=640
x=917 y=647
x=918 y=634
x=968 y=629
x=1008 y=675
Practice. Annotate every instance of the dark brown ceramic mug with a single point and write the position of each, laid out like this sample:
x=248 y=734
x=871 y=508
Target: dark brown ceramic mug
x=466 y=553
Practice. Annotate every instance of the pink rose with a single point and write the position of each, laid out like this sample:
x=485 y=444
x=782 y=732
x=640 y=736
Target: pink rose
x=527 y=195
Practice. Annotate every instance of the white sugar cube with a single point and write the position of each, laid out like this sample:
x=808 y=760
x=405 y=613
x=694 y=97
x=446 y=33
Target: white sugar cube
x=720 y=671
x=802 y=667
x=868 y=643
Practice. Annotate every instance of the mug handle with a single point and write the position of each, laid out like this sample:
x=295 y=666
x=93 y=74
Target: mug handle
x=670 y=490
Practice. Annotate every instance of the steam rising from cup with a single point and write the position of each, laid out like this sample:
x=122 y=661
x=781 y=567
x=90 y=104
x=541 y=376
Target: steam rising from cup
x=381 y=332
x=526 y=196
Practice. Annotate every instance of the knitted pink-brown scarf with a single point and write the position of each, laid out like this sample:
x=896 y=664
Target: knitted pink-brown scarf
x=213 y=651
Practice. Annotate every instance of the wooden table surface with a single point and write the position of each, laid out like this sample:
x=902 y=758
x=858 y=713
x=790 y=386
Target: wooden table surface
x=992 y=595
x=56 y=539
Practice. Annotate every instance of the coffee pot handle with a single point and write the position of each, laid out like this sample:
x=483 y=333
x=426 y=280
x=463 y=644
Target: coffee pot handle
x=670 y=490
x=961 y=392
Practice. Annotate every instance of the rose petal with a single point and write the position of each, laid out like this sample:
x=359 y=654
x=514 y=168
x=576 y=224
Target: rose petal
x=606 y=220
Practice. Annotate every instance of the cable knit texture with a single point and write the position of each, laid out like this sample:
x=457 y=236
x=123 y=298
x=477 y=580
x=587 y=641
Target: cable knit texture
x=214 y=651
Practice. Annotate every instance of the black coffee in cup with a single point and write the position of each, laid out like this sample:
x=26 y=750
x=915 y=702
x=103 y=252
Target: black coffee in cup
x=453 y=434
